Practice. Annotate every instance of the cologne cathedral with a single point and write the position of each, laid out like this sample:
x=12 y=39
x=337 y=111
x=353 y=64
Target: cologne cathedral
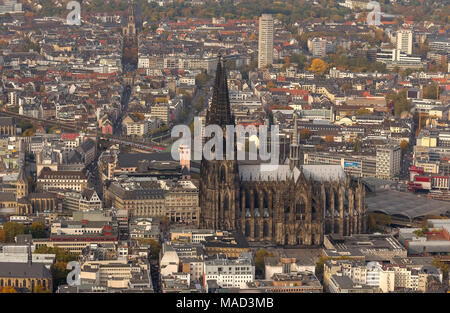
x=292 y=204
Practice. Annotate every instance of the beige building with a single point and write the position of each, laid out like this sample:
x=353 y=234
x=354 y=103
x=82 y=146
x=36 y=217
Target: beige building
x=265 y=41
x=52 y=180
x=160 y=111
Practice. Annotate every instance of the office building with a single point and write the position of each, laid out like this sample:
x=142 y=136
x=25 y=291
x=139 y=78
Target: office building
x=265 y=42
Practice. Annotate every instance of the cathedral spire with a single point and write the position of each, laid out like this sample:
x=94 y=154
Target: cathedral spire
x=294 y=153
x=219 y=112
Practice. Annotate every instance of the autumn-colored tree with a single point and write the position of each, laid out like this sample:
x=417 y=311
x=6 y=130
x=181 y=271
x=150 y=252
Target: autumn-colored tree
x=346 y=87
x=8 y=289
x=53 y=129
x=404 y=145
x=270 y=84
x=329 y=138
x=40 y=289
x=305 y=133
x=139 y=116
x=2 y=236
x=28 y=133
x=318 y=66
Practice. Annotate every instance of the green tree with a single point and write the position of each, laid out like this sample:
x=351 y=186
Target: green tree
x=155 y=247
x=259 y=260
x=377 y=220
x=401 y=103
x=12 y=230
x=362 y=111
x=430 y=91
x=37 y=230
x=201 y=78
x=62 y=255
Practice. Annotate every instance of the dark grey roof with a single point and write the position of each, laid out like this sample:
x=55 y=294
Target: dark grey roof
x=24 y=270
x=7 y=197
x=87 y=145
x=6 y=121
x=132 y=159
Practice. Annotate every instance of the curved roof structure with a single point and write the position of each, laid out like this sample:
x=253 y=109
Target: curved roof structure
x=405 y=204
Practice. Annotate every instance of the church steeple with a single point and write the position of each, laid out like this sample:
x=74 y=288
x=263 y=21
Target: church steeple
x=220 y=112
x=21 y=184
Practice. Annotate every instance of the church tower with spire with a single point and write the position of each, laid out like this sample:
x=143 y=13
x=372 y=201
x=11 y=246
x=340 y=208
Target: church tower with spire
x=130 y=29
x=285 y=205
x=219 y=185
x=21 y=185
x=294 y=149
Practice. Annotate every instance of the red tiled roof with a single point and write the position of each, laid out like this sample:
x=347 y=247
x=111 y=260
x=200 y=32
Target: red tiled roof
x=69 y=136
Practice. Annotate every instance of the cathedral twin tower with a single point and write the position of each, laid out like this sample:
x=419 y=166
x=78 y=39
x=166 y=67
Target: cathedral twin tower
x=289 y=205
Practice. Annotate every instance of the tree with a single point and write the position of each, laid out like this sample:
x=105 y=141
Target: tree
x=404 y=145
x=12 y=230
x=318 y=66
x=199 y=104
x=8 y=289
x=259 y=260
x=442 y=266
x=62 y=255
x=53 y=129
x=401 y=103
x=430 y=91
x=356 y=146
x=346 y=87
x=329 y=138
x=377 y=219
x=201 y=79
x=155 y=247
x=362 y=111
x=2 y=236
x=28 y=133
x=37 y=230
x=139 y=116
x=270 y=84
x=305 y=134
x=300 y=59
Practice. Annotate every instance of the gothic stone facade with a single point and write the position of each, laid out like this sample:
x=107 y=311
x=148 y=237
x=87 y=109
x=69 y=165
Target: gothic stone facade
x=290 y=209
x=282 y=206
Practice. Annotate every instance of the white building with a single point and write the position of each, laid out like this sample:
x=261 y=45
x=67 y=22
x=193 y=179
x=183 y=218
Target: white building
x=388 y=161
x=405 y=41
x=231 y=273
